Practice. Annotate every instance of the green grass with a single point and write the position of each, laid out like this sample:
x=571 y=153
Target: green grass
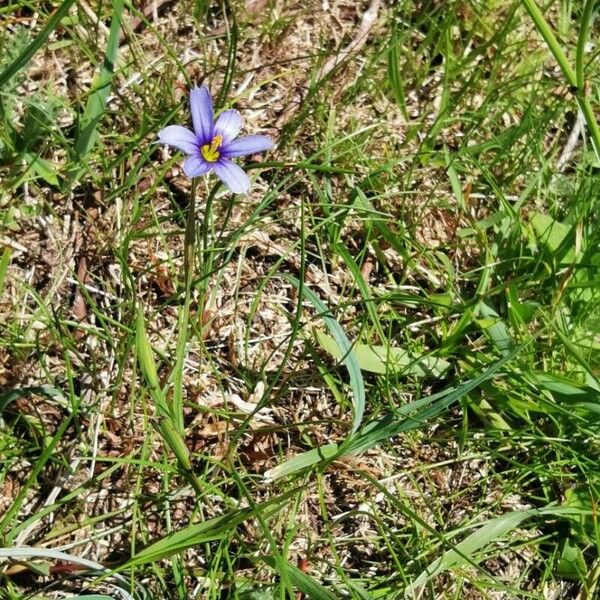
x=381 y=377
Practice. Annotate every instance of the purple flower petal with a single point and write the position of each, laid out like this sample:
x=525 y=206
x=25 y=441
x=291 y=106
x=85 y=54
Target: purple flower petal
x=193 y=166
x=179 y=137
x=202 y=114
x=228 y=125
x=246 y=145
x=232 y=176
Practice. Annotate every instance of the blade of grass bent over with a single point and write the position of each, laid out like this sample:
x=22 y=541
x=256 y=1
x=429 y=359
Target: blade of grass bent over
x=349 y=359
x=24 y=552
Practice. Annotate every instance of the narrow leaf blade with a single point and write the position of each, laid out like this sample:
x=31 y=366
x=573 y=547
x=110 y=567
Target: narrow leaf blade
x=345 y=347
x=25 y=56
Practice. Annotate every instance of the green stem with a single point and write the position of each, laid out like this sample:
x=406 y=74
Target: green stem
x=575 y=78
x=184 y=316
x=592 y=123
x=207 y=257
x=586 y=19
x=544 y=29
x=582 y=97
x=189 y=244
x=207 y=221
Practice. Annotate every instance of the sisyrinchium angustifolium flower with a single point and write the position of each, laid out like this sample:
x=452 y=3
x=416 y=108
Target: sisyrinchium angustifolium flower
x=213 y=143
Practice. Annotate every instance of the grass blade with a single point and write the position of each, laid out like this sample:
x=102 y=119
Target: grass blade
x=395 y=73
x=495 y=529
x=427 y=408
x=343 y=343
x=96 y=104
x=569 y=73
x=26 y=55
x=546 y=32
x=148 y=366
x=584 y=31
x=42 y=390
x=24 y=552
x=304 y=582
x=169 y=432
x=209 y=530
x=301 y=462
x=44 y=457
x=4 y=262
x=193 y=535
x=465 y=551
x=389 y=426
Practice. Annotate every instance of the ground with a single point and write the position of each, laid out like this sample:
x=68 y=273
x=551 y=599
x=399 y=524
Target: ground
x=389 y=379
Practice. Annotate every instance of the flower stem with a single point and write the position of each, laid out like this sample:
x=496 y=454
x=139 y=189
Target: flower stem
x=207 y=258
x=189 y=246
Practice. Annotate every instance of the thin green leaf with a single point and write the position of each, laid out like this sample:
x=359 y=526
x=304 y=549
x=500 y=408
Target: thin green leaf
x=96 y=104
x=412 y=415
x=554 y=237
x=426 y=408
x=466 y=551
x=4 y=262
x=176 y=443
x=395 y=73
x=40 y=568
x=386 y=359
x=42 y=168
x=37 y=43
x=27 y=392
x=572 y=562
x=573 y=78
x=345 y=347
x=37 y=468
x=363 y=286
x=207 y=531
x=148 y=366
x=301 y=462
x=304 y=582
x=91 y=597
x=495 y=328
x=359 y=591
x=193 y=535
x=172 y=437
x=22 y=552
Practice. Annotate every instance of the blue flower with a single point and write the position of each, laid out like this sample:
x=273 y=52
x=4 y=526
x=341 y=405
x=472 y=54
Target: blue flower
x=212 y=144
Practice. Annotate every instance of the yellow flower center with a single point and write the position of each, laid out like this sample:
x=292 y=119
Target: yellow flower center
x=210 y=152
